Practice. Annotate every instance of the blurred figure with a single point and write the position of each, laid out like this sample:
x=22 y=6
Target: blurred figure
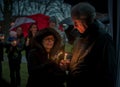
x=1 y=50
x=54 y=23
x=43 y=68
x=33 y=29
x=14 y=47
x=93 y=62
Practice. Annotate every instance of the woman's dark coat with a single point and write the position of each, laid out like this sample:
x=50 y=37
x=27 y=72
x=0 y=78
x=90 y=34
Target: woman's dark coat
x=43 y=71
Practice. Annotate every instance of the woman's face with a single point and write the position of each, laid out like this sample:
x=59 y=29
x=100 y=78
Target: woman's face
x=33 y=28
x=48 y=42
x=52 y=24
x=19 y=31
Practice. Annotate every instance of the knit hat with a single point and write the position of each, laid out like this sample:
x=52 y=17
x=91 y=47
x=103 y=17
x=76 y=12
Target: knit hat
x=12 y=39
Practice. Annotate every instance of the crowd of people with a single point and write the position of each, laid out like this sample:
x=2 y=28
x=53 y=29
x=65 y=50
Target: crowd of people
x=92 y=62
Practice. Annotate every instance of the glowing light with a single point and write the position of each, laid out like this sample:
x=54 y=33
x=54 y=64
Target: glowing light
x=65 y=56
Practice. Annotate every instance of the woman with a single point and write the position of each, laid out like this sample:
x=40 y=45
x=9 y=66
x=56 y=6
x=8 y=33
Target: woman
x=43 y=69
x=31 y=33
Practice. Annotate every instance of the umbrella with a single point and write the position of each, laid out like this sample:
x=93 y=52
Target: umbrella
x=24 y=23
x=21 y=20
x=67 y=21
x=41 y=20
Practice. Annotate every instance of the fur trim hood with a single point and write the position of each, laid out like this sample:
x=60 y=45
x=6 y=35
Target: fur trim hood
x=46 y=32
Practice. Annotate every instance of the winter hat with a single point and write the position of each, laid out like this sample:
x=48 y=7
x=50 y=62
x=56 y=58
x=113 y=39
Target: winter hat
x=46 y=32
x=12 y=39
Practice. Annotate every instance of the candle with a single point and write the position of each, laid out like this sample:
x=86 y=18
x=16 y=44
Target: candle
x=65 y=56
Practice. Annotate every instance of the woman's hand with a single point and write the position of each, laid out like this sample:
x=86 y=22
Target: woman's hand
x=27 y=41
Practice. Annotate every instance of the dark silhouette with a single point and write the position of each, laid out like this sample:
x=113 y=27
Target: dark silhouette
x=93 y=62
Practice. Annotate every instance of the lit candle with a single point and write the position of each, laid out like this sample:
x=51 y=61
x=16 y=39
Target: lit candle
x=65 y=56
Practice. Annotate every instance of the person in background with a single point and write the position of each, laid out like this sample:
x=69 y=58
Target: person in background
x=14 y=47
x=1 y=50
x=54 y=23
x=93 y=62
x=43 y=66
x=20 y=36
x=33 y=29
x=3 y=82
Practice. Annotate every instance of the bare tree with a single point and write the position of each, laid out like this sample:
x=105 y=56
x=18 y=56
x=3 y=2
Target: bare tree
x=6 y=9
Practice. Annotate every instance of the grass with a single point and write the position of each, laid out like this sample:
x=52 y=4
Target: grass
x=23 y=72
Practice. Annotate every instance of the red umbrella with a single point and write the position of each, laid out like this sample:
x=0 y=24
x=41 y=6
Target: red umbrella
x=41 y=20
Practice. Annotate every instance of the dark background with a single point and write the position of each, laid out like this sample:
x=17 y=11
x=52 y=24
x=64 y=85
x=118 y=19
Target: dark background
x=100 y=5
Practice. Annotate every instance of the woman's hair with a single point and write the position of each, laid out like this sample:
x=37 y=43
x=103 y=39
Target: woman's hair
x=29 y=29
x=19 y=35
x=46 y=32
